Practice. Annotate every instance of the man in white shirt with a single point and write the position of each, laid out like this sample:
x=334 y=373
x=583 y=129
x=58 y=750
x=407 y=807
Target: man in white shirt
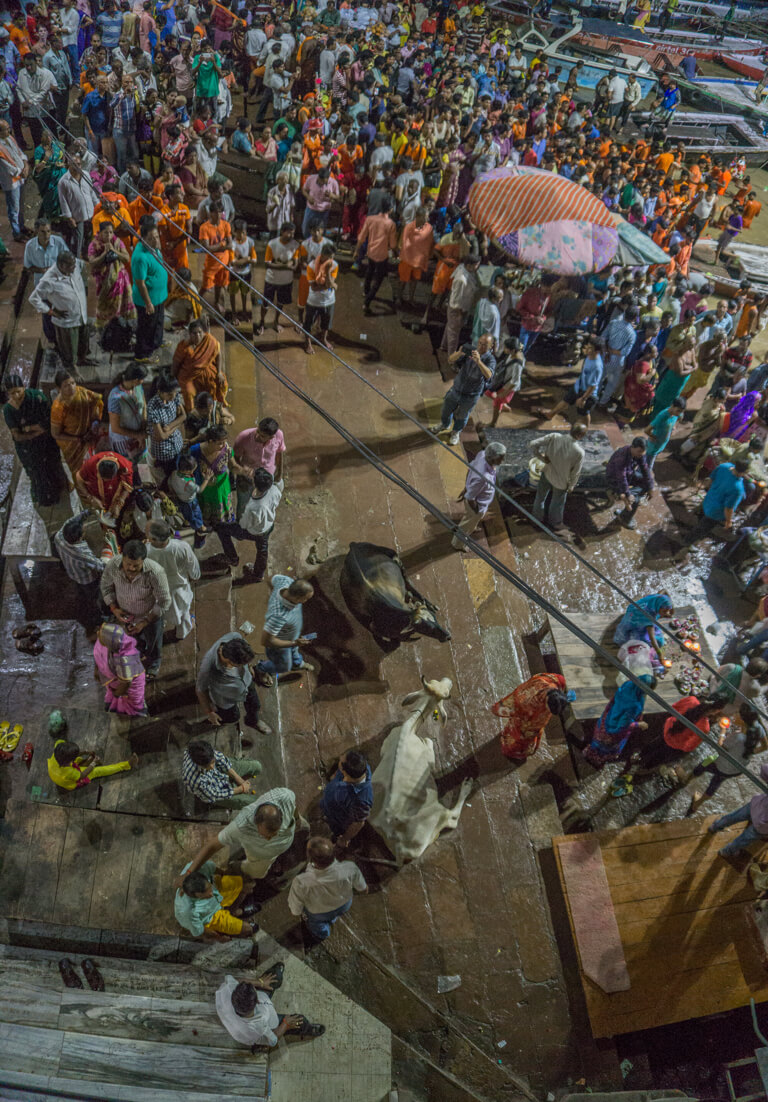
x=34 y=89
x=246 y=1012
x=40 y=252
x=69 y=21
x=255 y=524
x=325 y=890
x=14 y=169
x=61 y=294
x=465 y=290
x=562 y=456
x=77 y=202
x=617 y=86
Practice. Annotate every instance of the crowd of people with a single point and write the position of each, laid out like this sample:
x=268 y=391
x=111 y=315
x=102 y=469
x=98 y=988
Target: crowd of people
x=367 y=125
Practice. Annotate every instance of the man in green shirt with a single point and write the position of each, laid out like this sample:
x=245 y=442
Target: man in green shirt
x=150 y=290
x=289 y=119
x=206 y=69
x=330 y=17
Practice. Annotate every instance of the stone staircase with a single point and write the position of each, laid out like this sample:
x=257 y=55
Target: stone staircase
x=153 y=1036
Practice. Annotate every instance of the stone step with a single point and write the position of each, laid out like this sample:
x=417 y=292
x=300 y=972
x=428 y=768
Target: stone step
x=108 y=1014
x=23 y=1087
x=122 y=1061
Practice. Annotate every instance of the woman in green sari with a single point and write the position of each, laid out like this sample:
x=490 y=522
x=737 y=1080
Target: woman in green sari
x=27 y=414
x=215 y=464
x=47 y=169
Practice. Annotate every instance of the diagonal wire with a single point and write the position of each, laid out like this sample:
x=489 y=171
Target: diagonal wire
x=422 y=428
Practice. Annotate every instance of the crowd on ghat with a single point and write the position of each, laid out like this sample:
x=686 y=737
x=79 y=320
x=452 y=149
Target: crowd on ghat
x=368 y=125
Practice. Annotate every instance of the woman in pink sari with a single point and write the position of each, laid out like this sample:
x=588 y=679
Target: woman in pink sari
x=119 y=668
x=108 y=259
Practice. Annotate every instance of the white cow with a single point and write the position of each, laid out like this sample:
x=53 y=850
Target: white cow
x=406 y=811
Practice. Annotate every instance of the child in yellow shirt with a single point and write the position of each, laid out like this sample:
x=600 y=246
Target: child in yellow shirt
x=70 y=769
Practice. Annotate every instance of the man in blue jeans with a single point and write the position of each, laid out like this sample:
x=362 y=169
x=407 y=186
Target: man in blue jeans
x=475 y=368
x=347 y=799
x=325 y=890
x=754 y=814
x=282 y=629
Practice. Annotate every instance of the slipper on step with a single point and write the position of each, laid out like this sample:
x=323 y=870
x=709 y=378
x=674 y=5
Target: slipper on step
x=68 y=973
x=306 y=1029
x=27 y=631
x=278 y=971
x=29 y=645
x=13 y=737
x=266 y=680
x=93 y=975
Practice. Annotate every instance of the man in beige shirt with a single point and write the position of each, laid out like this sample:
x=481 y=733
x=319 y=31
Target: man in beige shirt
x=563 y=456
x=136 y=590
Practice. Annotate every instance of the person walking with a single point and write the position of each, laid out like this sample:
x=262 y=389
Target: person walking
x=563 y=456
x=479 y=490
x=256 y=523
x=77 y=200
x=476 y=366
x=379 y=234
x=754 y=814
x=224 y=682
x=465 y=291
x=325 y=890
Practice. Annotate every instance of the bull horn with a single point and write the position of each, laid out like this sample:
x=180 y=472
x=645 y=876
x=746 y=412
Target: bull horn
x=441 y=689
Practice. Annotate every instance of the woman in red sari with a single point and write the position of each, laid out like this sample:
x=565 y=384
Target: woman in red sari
x=528 y=709
x=639 y=390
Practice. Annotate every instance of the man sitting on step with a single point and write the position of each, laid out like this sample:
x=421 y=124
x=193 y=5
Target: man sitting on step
x=246 y=1012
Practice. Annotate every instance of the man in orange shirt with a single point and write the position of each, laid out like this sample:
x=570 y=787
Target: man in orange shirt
x=175 y=223
x=416 y=245
x=216 y=235
x=145 y=202
x=114 y=209
x=751 y=210
x=380 y=234
x=665 y=159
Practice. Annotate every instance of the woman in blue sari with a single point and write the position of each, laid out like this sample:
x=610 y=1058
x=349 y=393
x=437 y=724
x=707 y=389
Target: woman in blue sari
x=636 y=623
x=618 y=722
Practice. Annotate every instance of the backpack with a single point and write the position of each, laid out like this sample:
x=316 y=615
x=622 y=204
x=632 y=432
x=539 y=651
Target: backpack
x=117 y=336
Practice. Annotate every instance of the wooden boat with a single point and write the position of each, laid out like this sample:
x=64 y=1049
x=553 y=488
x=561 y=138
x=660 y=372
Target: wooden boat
x=674 y=44
x=565 y=51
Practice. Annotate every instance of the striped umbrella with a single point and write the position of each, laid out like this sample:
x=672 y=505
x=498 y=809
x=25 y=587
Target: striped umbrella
x=543 y=220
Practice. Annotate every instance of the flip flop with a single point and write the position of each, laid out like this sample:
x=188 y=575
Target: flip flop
x=68 y=973
x=277 y=971
x=27 y=631
x=29 y=645
x=93 y=975
x=13 y=737
x=5 y=728
x=307 y=1029
x=266 y=680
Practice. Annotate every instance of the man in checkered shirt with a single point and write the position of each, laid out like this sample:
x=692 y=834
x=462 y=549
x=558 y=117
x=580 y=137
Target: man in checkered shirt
x=213 y=778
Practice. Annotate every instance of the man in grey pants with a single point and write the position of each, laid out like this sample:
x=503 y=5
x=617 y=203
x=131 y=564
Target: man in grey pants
x=563 y=457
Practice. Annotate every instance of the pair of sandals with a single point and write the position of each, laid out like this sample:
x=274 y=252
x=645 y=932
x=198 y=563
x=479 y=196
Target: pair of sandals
x=28 y=639
x=9 y=738
x=90 y=971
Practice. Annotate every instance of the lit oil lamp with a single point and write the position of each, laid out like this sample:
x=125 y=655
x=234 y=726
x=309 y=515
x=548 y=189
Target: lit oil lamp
x=667 y=663
x=725 y=723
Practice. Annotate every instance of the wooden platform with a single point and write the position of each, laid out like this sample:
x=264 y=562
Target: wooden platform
x=82 y=867
x=593 y=679
x=680 y=910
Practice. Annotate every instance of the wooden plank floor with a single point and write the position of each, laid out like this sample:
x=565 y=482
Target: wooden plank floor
x=681 y=915
x=593 y=679
x=87 y=868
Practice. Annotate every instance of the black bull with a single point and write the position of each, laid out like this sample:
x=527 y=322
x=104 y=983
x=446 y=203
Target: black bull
x=380 y=596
